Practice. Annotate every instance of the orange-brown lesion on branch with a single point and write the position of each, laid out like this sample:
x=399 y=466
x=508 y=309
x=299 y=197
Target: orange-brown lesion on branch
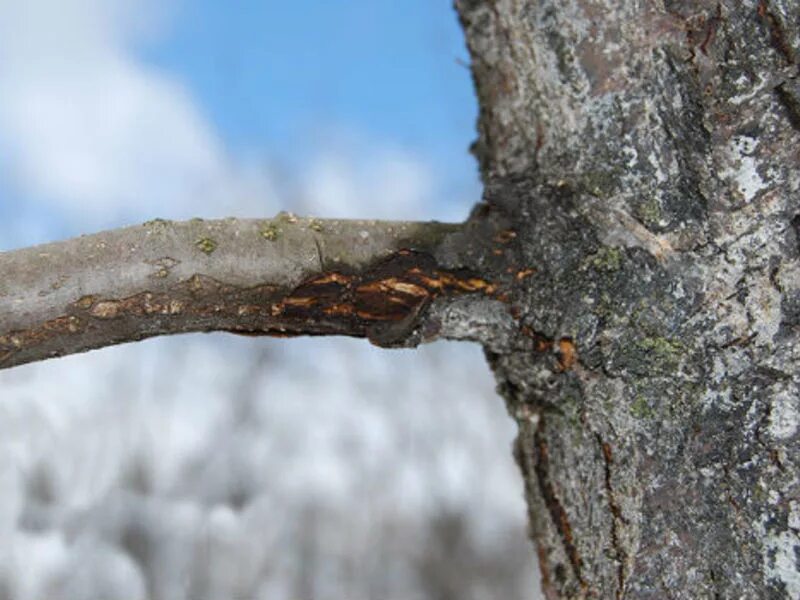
x=392 y=290
x=567 y=354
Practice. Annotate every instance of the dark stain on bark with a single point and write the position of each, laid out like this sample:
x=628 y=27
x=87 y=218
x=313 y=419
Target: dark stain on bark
x=384 y=303
x=616 y=516
x=701 y=28
x=795 y=222
x=777 y=33
x=788 y=94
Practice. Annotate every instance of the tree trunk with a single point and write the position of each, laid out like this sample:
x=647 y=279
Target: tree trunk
x=647 y=155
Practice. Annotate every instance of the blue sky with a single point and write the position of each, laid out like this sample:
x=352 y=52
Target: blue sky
x=112 y=110
x=274 y=75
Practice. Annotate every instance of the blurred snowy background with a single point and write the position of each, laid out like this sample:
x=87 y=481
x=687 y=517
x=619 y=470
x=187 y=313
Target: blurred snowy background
x=223 y=468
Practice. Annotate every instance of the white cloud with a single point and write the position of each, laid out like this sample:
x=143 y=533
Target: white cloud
x=91 y=129
x=102 y=137
x=366 y=181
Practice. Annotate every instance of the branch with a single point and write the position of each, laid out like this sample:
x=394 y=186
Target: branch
x=285 y=276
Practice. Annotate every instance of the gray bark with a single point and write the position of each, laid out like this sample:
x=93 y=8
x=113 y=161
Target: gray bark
x=647 y=155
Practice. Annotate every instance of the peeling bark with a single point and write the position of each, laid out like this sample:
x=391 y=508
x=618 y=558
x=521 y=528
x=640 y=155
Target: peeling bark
x=648 y=156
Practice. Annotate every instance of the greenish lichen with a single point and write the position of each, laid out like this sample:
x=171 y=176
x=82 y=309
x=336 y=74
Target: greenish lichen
x=759 y=493
x=662 y=353
x=600 y=184
x=270 y=232
x=206 y=245
x=661 y=347
x=605 y=305
x=426 y=235
x=607 y=259
x=649 y=212
x=157 y=224
x=640 y=408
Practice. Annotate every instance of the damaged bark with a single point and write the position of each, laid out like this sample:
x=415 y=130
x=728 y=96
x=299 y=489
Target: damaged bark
x=391 y=282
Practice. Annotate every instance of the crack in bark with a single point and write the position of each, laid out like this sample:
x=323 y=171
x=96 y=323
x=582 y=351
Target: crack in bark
x=557 y=512
x=711 y=29
x=616 y=515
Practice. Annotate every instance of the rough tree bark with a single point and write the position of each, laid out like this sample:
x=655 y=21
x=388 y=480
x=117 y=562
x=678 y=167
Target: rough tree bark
x=647 y=155
x=633 y=272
